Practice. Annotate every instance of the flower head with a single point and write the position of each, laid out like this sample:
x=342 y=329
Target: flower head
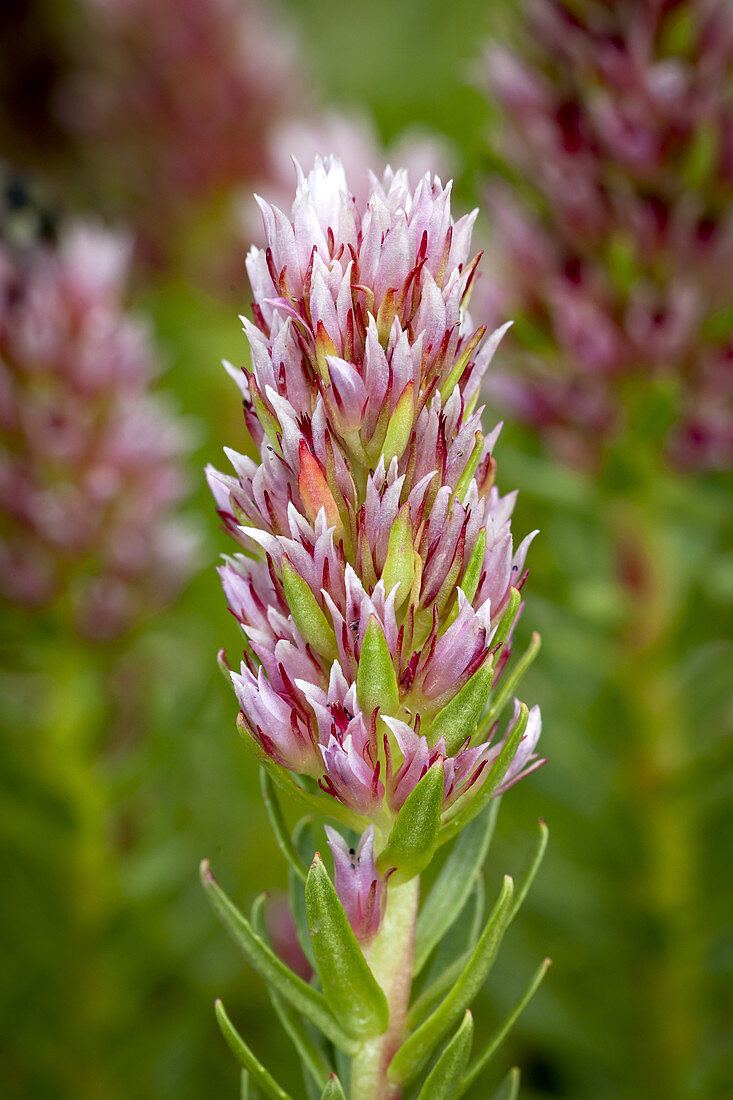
x=90 y=462
x=377 y=577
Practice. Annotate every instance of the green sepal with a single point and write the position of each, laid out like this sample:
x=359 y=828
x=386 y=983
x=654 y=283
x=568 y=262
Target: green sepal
x=440 y=1083
x=413 y=839
x=351 y=990
x=376 y=682
x=453 y=885
x=415 y=1051
x=246 y=1058
x=506 y=690
x=471 y=466
x=460 y=364
x=479 y=1064
x=333 y=1089
x=473 y=806
x=306 y=1000
x=507 y=619
x=312 y=1057
x=459 y=719
x=309 y=618
x=277 y=821
x=472 y=574
x=399 y=427
x=399 y=565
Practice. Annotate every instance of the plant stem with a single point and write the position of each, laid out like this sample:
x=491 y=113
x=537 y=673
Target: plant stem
x=390 y=958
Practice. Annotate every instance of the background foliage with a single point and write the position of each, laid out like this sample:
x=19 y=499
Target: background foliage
x=121 y=767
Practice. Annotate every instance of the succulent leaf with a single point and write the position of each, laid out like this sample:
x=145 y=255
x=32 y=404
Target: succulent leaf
x=246 y=1058
x=440 y=1083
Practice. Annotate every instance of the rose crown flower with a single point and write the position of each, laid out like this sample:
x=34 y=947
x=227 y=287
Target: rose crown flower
x=377 y=580
x=377 y=587
x=90 y=461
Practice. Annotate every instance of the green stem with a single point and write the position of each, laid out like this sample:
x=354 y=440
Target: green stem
x=390 y=958
x=667 y=890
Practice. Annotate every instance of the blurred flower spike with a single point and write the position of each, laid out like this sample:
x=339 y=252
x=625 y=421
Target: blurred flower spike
x=618 y=266
x=90 y=461
x=377 y=583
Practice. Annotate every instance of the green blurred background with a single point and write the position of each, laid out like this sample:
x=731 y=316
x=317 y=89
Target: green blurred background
x=122 y=768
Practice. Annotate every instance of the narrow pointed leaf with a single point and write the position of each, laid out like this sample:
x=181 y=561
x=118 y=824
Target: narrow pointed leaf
x=414 y=835
x=471 y=576
x=479 y=1064
x=308 y=616
x=246 y=1058
x=350 y=988
x=441 y=1081
x=305 y=846
x=244 y=1086
x=310 y=1052
x=458 y=720
x=277 y=821
x=298 y=993
x=333 y=1090
x=509 y=1088
x=451 y=956
x=454 y=884
x=531 y=868
x=415 y=1051
x=376 y=682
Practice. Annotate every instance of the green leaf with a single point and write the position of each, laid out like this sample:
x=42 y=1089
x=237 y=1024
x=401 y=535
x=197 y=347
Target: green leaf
x=399 y=565
x=441 y=1081
x=453 y=885
x=376 y=682
x=305 y=846
x=246 y=1058
x=459 y=718
x=509 y=1088
x=413 y=838
x=531 y=868
x=310 y=620
x=415 y=1051
x=277 y=821
x=476 y=802
x=350 y=988
x=470 y=468
x=311 y=1054
x=244 y=1086
x=479 y=1064
x=451 y=956
x=306 y=1000
x=333 y=1089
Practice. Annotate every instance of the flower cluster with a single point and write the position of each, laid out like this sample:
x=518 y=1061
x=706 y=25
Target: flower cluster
x=377 y=582
x=620 y=115
x=89 y=461
x=173 y=103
